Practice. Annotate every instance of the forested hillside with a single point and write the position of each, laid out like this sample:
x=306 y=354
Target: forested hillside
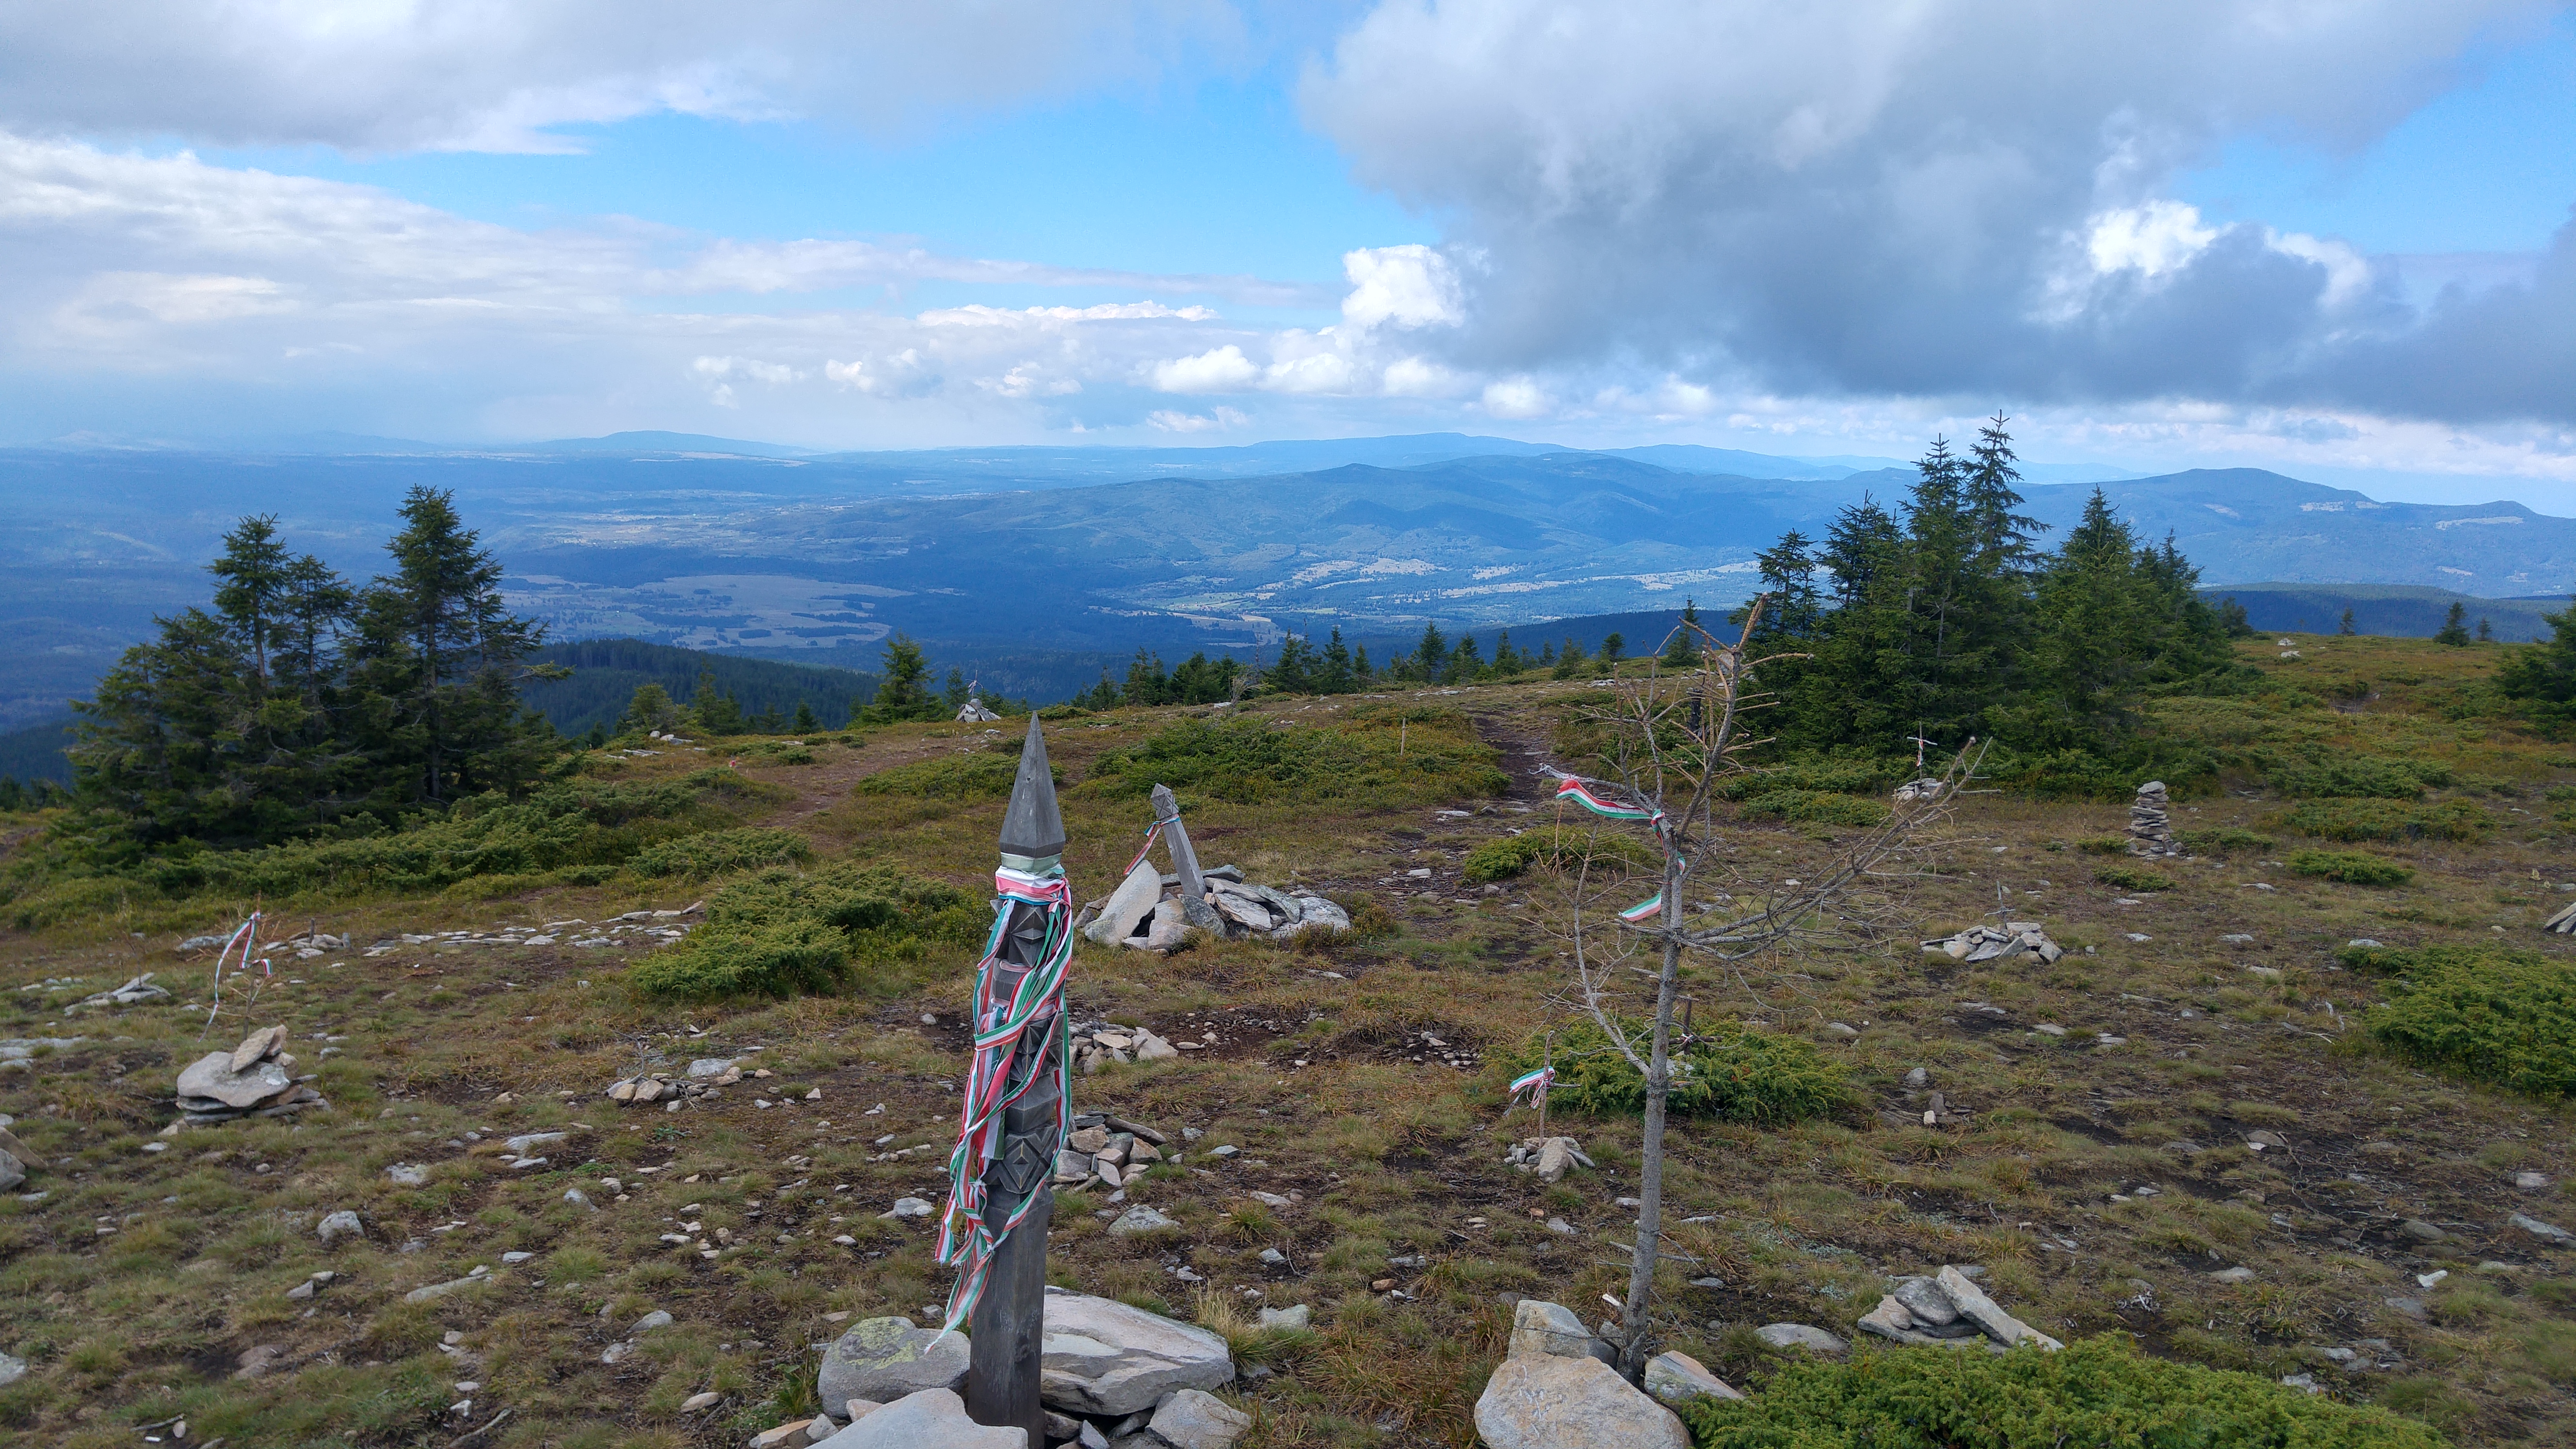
x=607 y=672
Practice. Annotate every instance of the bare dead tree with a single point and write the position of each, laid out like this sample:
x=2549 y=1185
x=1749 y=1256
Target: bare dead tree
x=1677 y=738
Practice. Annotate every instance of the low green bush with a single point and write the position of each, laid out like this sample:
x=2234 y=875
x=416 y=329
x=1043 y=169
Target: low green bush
x=2132 y=878
x=2559 y=793
x=2389 y=820
x=2097 y=1392
x=1732 y=1072
x=979 y=775
x=1382 y=754
x=2227 y=840
x=783 y=932
x=1823 y=807
x=2104 y=845
x=1551 y=848
x=2352 y=867
x=2353 y=777
x=2490 y=1014
x=722 y=852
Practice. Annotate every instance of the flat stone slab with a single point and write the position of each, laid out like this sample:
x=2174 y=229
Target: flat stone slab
x=1196 y=1419
x=212 y=1078
x=1676 y=1376
x=1984 y=1312
x=1106 y=1359
x=885 y=1359
x=1547 y=1401
x=1128 y=905
x=930 y=1419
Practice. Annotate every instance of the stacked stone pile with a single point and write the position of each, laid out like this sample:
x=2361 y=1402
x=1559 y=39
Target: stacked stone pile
x=1950 y=1310
x=1147 y=912
x=251 y=1080
x=1111 y=1375
x=1549 y=1157
x=1097 y=1042
x=132 y=993
x=705 y=1077
x=1107 y=1150
x=2151 y=822
x=1979 y=944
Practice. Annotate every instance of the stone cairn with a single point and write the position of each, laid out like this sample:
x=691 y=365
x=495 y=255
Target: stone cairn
x=251 y=1080
x=2151 y=822
x=1978 y=945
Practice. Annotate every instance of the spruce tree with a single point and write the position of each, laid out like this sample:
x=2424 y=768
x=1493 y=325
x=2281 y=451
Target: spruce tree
x=441 y=658
x=2344 y=626
x=805 y=723
x=1681 y=651
x=2455 y=627
x=903 y=689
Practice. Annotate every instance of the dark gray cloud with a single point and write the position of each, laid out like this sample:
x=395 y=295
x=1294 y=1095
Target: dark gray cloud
x=1932 y=198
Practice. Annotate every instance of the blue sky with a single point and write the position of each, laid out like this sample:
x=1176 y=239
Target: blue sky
x=2207 y=236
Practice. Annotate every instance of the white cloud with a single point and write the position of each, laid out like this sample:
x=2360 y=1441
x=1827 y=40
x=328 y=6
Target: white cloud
x=1169 y=421
x=1406 y=286
x=1220 y=369
x=2154 y=239
x=1515 y=397
x=1419 y=377
x=773 y=373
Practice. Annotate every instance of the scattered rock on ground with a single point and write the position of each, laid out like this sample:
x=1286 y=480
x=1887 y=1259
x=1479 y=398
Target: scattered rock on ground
x=132 y=993
x=1983 y=1311
x=1105 y=1358
x=1549 y=1401
x=1140 y=1219
x=2550 y=1233
x=1799 y=1335
x=1289 y=1319
x=1676 y=1376
x=1196 y=1419
x=338 y=1225
x=885 y=1359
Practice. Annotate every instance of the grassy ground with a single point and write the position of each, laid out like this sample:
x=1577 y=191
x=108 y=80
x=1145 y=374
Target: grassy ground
x=1360 y=1081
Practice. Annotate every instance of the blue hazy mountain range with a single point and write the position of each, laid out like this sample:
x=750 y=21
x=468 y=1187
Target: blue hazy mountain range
x=1036 y=553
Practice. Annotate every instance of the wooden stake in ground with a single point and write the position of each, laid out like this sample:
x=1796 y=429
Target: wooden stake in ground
x=1008 y=1325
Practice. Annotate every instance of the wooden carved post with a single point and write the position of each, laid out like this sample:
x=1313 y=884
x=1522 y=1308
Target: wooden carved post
x=1016 y=1121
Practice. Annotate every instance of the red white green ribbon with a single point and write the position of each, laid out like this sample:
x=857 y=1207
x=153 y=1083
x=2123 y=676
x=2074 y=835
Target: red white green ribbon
x=1533 y=1082
x=1592 y=795
x=1035 y=1004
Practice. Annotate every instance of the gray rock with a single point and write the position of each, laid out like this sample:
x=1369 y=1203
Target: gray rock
x=1167 y=928
x=526 y=1140
x=1983 y=1311
x=1675 y=1376
x=577 y=1198
x=1925 y=1301
x=2233 y=1275
x=710 y=1066
x=211 y=1078
x=1288 y=1319
x=1555 y=1156
x=2412 y=1307
x=2531 y=1181
x=1128 y=905
x=12 y=1171
x=1274 y=1258
x=909 y=1207
x=1918 y=1078
x=1091 y=1437
x=2550 y=1233
x=1799 y=1335
x=1104 y=1358
x=1548 y=1401
x=1196 y=1419
x=1547 y=1328
x=2421 y=1231
x=434 y=1291
x=338 y=1225
x=1140 y=1219
x=405 y=1174
x=930 y=1419
x=650 y=1321
x=12 y=1369
x=887 y=1358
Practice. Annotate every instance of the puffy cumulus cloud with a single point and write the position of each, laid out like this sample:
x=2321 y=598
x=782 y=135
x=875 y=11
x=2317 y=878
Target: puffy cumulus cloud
x=1919 y=198
x=1219 y=369
x=1516 y=397
x=501 y=75
x=1406 y=286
